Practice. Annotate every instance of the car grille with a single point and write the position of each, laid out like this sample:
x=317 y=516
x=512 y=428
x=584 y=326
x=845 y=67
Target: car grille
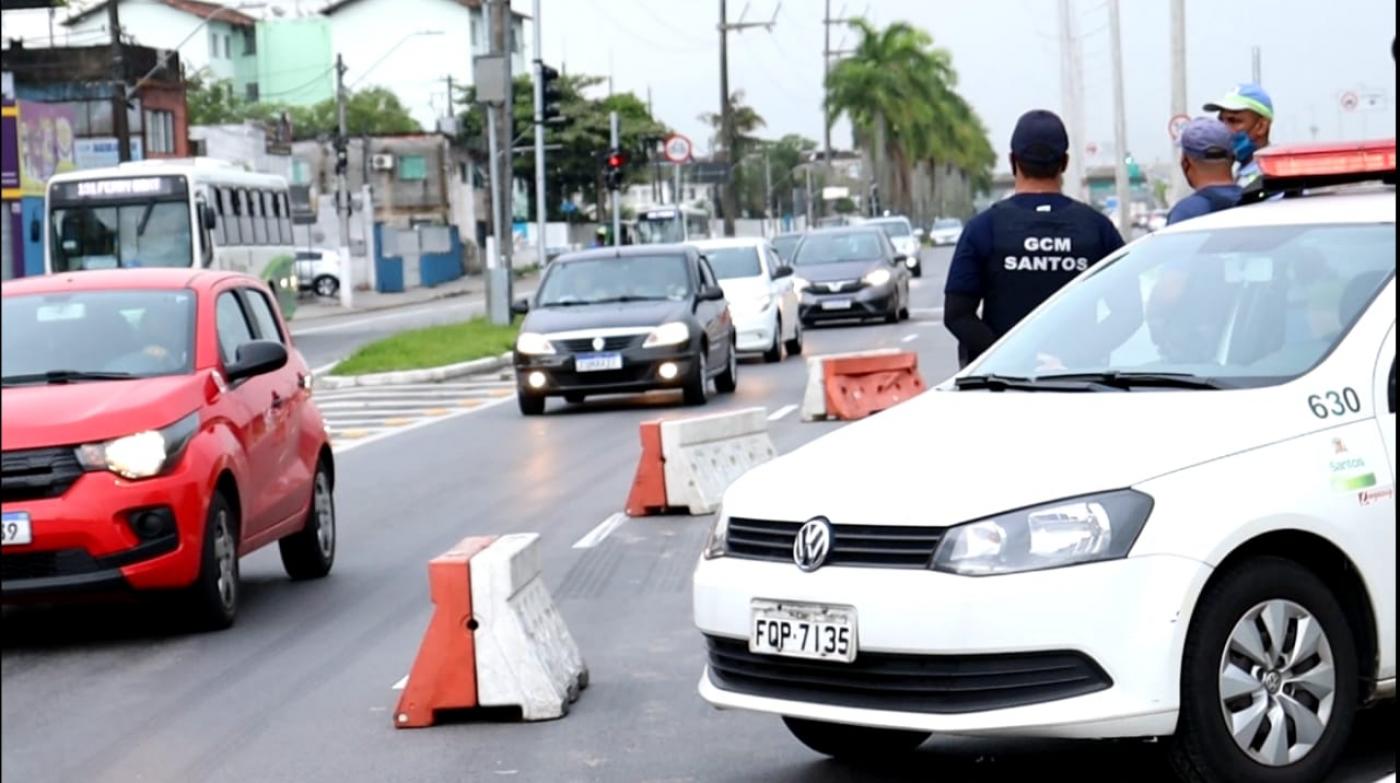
x=836 y=286
x=872 y=546
x=35 y=474
x=585 y=344
x=908 y=683
x=42 y=565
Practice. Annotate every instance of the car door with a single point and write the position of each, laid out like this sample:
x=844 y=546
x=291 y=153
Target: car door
x=291 y=487
x=713 y=316
x=251 y=416
x=1384 y=395
x=785 y=292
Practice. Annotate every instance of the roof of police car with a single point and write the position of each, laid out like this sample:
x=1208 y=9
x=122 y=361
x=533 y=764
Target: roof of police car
x=1350 y=204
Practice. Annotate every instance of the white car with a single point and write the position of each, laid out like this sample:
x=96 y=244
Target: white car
x=901 y=235
x=945 y=231
x=1161 y=506
x=319 y=271
x=762 y=299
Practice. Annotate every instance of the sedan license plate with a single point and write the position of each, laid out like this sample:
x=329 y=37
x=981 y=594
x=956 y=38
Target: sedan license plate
x=595 y=362
x=836 y=304
x=813 y=631
x=16 y=529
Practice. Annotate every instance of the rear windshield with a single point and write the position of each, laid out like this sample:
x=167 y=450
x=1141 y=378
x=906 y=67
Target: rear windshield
x=732 y=262
x=627 y=279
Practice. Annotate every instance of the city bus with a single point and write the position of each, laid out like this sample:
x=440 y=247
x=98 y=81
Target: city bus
x=662 y=225
x=173 y=213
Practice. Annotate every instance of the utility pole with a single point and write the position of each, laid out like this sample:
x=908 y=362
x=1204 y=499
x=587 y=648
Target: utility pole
x=616 y=194
x=1256 y=66
x=768 y=211
x=1178 y=24
x=120 y=126
x=1070 y=96
x=541 y=197
x=342 y=185
x=826 y=79
x=811 y=218
x=730 y=193
x=503 y=159
x=1120 y=123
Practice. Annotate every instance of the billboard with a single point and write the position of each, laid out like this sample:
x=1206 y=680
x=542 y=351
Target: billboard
x=45 y=144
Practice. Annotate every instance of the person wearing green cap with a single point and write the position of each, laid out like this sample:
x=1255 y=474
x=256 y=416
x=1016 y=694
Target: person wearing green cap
x=1249 y=113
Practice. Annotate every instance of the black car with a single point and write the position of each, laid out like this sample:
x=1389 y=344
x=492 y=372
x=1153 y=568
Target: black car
x=621 y=320
x=851 y=272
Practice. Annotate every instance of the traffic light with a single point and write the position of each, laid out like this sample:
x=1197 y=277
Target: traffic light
x=614 y=167
x=551 y=107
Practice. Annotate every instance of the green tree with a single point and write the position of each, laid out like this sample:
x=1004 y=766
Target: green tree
x=747 y=122
x=372 y=111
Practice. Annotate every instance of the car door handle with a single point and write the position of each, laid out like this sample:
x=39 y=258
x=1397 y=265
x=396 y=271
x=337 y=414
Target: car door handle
x=277 y=400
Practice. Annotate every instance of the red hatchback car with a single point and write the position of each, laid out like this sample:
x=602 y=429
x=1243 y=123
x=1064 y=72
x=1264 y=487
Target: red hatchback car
x=156 y=424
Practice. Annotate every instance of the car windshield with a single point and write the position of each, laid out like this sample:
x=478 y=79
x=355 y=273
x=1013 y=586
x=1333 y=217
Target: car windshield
x=1240 y=307
x=156 y=233
x=84 y=335
x=836 y=248
x=732 y=262
x=894 y=228
x=660 y=231
x=630 y=278
x=947 y=223
x=784 y=246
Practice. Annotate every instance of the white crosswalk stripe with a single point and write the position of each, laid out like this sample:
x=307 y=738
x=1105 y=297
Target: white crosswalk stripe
x=354 y=414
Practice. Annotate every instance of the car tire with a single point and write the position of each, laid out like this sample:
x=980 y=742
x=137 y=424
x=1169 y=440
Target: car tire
x=854 y=743
x=530 y=404
x=697 y=387
x=309 y=553
x=727 y=381
x=1205 y=748
x=213 y=598
x=325 y=285
x=918 y=269
x=575 y=399
x=892 y=317
x=774 y=354
x=794 y=346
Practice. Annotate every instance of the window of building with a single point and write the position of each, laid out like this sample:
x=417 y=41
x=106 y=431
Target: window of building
x=160 y=132
x=252 y=91
x=250 y=41
x=413 y=168
x=228 y=48
x=213 y=44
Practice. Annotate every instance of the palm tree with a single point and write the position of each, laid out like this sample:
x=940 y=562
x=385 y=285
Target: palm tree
x=747 y=122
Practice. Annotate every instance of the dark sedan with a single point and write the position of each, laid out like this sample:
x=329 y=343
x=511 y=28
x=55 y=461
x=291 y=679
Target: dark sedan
x=851 y=272
x=624 y=320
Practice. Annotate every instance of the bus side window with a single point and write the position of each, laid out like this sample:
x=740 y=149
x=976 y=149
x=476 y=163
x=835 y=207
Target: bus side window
x=236 y=229
x=206 y=236
x=279 y=211
x=245 y=216
x=259 y=216
x=287 y=237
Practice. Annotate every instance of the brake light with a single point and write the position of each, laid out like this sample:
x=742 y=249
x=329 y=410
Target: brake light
x=1328 y=160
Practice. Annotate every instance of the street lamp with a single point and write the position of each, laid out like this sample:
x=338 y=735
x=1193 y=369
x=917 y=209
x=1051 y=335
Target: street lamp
x=390 y=51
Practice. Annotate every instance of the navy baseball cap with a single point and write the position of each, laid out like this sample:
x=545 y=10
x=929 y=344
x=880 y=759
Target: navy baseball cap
x=1207 y=138
x=1040 y=137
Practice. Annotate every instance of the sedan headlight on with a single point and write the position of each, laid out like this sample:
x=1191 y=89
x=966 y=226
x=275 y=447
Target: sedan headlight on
x=877 y=278
x=1068 y=532
x=143 y=454
x=532 y=344
x=716 y=545
x=673 y=333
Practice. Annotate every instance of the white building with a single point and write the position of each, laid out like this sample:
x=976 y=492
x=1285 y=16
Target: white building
x=413 y=46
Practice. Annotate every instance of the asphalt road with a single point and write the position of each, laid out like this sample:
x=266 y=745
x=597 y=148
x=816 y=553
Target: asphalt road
x=300 y=689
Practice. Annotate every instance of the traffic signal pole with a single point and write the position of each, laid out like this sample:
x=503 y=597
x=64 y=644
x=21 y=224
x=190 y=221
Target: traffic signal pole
x=541 y=199
x=616 y=200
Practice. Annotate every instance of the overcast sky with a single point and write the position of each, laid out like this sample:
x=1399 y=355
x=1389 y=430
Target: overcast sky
x=1007 y=56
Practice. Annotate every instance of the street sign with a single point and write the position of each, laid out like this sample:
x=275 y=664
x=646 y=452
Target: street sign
x=1371 y=101
x=1349 y=101
x=708 y=173
x=1177 y=125
x=676 y=148
x=491 y=75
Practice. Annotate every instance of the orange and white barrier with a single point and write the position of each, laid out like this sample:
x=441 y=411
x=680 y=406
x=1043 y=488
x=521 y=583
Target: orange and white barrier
x=857 y=386
x=689 y=463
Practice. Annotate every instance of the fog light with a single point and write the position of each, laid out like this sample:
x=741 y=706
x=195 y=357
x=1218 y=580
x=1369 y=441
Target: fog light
x=536 y=380
x=668 y=371
x=152 y=523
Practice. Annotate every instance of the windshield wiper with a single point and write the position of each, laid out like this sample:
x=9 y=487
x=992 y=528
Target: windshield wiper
x=1015 y=383
x=64 y=376
x=626 y=299
x=1129 y=380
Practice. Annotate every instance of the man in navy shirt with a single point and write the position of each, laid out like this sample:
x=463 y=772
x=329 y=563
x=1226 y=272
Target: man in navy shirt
x=1017 y=253
x=1207 y=159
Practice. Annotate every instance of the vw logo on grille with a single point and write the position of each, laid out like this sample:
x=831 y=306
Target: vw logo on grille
x=813 y=544
x=598 y=343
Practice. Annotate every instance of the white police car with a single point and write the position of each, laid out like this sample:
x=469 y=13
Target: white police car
x=1162 y=506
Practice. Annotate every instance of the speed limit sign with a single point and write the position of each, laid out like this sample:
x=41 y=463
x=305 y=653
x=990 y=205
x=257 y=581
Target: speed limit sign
x=676 y=148
x=1177 y=125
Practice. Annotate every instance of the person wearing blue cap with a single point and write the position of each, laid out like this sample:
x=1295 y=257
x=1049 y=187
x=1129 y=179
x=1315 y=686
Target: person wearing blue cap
x=1249 y=113
x=1207 y=159
x=1020 y=251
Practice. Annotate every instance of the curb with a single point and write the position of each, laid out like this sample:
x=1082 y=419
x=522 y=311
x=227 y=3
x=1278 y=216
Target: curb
x=389 y=306
x=427 y=375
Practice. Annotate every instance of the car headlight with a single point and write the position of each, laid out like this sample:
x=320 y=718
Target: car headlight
x=716 y=545
x=143 y=454
x=1066 y=532
x=532 y=344
x=755 y=305
x=672 y=333
x=800 y=284
x=877 y=278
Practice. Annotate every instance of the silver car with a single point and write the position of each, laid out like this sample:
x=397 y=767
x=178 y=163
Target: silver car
x=318 y=271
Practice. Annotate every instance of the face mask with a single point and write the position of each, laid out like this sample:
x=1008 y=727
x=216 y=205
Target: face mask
x=1244 y=147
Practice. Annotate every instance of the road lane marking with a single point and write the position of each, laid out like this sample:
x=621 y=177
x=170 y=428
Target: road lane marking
x=781 y=412
x=375 y=438
x=909 y=338
x=602 y=531
x=936 y=312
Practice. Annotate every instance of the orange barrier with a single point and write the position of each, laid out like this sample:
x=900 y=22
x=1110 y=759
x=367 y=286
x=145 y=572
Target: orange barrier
x=444 y=673
x=648 y=495
x=858 y=386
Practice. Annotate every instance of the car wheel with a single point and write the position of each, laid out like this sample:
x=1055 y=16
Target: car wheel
x=575 y=399
x=530 y=404
x=727 y=381
x=794 y=346
x=1268 y=678
x=918 y=269
x=697 y=387
x=310 y=552
x=854 y=743
x=326 y=285
x=775 y=351
x=213 y=597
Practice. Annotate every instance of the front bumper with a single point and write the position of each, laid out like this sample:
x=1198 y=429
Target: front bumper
x=756 y=329
x=640 y=372
x=1126 y=619
x=867 y=302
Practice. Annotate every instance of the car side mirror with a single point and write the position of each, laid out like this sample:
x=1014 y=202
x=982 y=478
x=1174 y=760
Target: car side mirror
x=711 y=293
x=258 y=357
x=900 y=258
x=918 y=233
x=206 y=216
x=520 y=307
x=782 y=271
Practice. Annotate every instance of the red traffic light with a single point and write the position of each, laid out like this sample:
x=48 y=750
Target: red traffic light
x=617 y=160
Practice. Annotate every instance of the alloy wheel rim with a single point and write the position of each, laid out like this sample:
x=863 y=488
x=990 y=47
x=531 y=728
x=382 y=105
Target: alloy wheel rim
x=225 y=560
x=325 y=517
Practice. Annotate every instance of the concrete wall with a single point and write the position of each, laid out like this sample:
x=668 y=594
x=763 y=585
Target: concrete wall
x=244 y=145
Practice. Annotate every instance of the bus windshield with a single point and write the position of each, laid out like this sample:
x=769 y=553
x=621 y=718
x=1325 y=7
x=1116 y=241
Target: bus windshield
x=109 y=224
x=659 y=230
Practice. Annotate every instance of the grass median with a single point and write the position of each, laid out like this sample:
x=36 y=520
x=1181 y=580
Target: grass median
x=434 y=346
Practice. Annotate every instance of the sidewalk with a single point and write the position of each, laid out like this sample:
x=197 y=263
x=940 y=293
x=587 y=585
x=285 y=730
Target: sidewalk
x=314 y=307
